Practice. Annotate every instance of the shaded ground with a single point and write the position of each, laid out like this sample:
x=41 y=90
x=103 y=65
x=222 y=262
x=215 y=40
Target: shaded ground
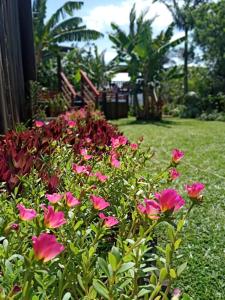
x=204 y=147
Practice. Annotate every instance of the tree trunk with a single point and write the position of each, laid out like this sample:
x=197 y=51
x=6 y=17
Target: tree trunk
x=186 y=62
x=146 y=111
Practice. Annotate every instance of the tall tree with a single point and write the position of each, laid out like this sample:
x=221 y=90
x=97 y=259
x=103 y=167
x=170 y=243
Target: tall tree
x=62 y=26
x=143 y=55
x=182 y=12
x=209 y=34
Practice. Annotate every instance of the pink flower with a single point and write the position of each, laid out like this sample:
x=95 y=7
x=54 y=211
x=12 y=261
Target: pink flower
x=71 y=201
x=119 y=141
x=108 y=221
x=81 y=169
x=151 y=209
x=99 y=203
x=176 y=294
x=26 y=214
x=15 y=226
x=115 y=163
x=85 y=155
x=88 y=140
x=134 y=147
x=194 y=190
x=177 y=155
x=174 y=174
x=101 y=177
x=46 y=247
x=53 y=219
x=114 y=160
x=39 y=124
x=169 y=200
x=72 y=124
x=54 y=198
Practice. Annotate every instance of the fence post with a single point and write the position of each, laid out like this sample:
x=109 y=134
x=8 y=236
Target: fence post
x=104 y=103
x=117 y=105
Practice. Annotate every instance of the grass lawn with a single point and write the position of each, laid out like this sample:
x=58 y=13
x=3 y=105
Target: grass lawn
x=204 y=147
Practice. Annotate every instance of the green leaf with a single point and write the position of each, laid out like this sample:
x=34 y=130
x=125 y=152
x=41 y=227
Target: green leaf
x=67 y=296
x=180 y=225
x=103 y=265
x=163 y=274
x=173 y=273
x=101 y=288
x=112 y=261
x=143 y=292
x=177 y=244
x=74 y=249
x=168 y=253
x=181 y=268
x=125 y=267
x=80 y=282
x=150 y=269
x=153 y=279
x=5 y=245
x=91 y=251
x=115 y=251
x=171 y=233
x=78 y=224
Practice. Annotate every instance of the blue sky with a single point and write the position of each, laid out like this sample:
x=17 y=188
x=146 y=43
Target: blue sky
x=98 y=14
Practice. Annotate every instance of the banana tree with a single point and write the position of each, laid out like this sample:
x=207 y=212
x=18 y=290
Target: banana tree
x=62 y=26
x=145 y=56
x=125 y=43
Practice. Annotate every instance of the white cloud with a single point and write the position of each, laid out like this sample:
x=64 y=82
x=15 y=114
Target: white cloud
x=109 y=55
x=101 y=17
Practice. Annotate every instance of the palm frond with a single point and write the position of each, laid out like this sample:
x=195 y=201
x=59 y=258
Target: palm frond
x=66 y=25
x=79 y=34
x=66 y=10
x=171 y=44
x=132 y=21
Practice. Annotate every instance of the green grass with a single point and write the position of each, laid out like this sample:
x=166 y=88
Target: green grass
x=204 y=147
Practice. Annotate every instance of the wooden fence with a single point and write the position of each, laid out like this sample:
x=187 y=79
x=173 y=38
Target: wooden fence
x=17 y=63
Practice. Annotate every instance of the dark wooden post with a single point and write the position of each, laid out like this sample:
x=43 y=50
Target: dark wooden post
x=117 y=104
x=127 y=103
x=104 y=103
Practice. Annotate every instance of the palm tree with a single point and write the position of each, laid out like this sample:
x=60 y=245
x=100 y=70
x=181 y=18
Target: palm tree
x=183 y=19
x=145 y=56
x=62 y=26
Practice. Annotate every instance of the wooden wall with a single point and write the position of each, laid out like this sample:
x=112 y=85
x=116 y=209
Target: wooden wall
x=16 y=61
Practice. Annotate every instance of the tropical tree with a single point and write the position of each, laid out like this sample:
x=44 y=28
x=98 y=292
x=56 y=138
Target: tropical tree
x=145 y=57
x=209 y=34
x=62 y=26
x=124 y=43
x=182 y=12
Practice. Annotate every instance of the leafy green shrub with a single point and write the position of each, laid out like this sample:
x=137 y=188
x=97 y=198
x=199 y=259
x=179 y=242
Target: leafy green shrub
x=95 y=237
x=213 y=116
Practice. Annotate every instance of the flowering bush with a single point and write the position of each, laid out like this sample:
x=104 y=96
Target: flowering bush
x=94 y=236
x=20 y=151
